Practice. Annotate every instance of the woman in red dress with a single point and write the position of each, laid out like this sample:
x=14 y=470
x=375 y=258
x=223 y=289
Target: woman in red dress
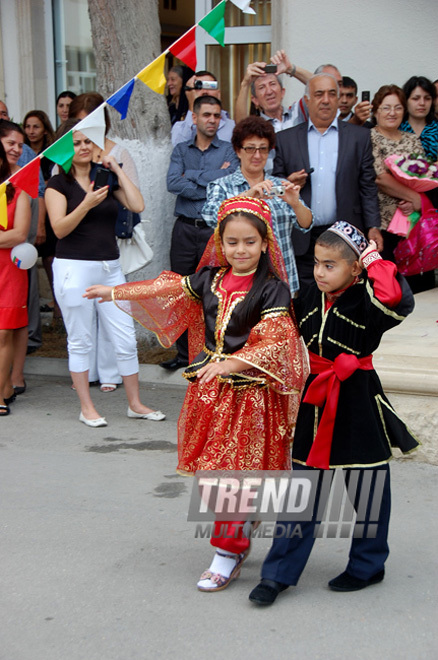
x=13 y=281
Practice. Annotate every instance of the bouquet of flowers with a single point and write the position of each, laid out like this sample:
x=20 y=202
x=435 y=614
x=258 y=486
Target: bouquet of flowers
x=419 y=174
x=418 y=253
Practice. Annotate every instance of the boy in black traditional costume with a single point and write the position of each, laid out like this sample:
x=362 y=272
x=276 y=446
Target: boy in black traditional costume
x=345 y=420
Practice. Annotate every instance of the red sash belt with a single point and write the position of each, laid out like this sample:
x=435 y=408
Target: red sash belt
x=324 y=391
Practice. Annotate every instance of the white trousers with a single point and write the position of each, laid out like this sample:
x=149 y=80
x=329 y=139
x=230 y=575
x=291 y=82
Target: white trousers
x=70 y=279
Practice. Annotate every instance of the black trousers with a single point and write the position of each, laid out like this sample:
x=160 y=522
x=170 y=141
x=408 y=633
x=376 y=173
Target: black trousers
x=186 y=249
x=288 y=556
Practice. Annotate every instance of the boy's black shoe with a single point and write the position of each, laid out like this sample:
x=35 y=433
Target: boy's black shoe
x=347 y=582
x=266 y=592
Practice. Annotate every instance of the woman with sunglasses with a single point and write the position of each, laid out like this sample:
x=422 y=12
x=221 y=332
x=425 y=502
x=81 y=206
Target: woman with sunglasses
x=253 y=138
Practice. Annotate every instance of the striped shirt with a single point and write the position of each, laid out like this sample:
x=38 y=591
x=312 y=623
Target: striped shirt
x=283 y=216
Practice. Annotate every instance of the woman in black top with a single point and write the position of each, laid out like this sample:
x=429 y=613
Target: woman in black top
x=83 y=220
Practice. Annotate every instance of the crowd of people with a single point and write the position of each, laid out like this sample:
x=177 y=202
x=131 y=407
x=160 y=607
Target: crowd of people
x=280 y=235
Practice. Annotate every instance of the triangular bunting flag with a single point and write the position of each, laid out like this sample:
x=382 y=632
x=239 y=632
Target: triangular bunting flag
x=120 y=100
x=153 y=75
x=62 y=151
x=3 y=206
x=214 y=23
x=244 y=6
x=93 y=126
x=28 y=177
x=185 y=48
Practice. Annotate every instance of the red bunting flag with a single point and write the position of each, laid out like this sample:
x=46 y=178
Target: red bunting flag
x=185 y=48
x=28 y=177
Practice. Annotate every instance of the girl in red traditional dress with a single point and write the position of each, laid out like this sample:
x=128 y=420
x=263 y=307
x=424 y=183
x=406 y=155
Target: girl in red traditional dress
x=247 y=362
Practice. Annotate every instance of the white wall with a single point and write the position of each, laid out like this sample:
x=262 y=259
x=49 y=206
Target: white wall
x=375 y=42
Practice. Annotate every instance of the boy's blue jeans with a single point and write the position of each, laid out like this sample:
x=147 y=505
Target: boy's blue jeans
x=288 y=556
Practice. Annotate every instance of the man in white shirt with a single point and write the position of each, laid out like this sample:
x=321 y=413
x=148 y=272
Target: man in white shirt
x=186 y=130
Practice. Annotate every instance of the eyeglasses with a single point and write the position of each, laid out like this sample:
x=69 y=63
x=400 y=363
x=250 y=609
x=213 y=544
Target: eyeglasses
x=252 y=150
x=386 y=109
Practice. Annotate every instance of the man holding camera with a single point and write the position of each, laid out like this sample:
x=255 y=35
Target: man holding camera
x=265 y=88
x=193 y=165
x=203 y=83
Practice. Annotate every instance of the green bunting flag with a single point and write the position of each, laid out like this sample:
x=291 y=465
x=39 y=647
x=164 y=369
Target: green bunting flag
x=62 y=151
x=214 y=23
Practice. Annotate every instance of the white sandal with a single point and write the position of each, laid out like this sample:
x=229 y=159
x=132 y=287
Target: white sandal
x=108 y=387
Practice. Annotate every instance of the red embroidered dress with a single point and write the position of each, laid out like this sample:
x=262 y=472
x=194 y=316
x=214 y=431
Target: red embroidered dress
x=244 y=421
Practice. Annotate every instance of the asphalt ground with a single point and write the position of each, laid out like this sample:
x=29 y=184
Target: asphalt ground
x=98 y=561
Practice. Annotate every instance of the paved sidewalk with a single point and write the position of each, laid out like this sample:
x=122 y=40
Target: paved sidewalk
x=98 y=561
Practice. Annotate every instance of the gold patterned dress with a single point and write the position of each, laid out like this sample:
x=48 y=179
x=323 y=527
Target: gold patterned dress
x=244 y=421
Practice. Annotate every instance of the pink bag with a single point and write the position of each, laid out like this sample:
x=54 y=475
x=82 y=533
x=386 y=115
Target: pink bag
x=419 y=252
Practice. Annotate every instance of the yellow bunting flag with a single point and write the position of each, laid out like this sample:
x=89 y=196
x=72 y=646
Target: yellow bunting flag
x=153 y=75
x=3 y=206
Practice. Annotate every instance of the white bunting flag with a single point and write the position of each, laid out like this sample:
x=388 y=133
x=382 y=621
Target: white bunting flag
x=93 y=126
x=244 y=6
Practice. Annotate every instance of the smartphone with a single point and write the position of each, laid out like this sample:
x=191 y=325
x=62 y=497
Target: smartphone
x=309 y=171
x=365 y=96
x=271 y=68
x=101 y=178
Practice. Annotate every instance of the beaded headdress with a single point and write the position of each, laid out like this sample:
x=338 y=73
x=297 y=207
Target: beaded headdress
x=351 y=235
x=214 y=255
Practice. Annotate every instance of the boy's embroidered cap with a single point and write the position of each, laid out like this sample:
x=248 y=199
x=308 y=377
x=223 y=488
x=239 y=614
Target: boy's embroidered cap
x=257 y=207
x=351 y=235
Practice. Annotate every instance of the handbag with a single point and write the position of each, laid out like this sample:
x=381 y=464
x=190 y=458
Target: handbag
x=135 y=252
x=418 y=253
x=126 y=221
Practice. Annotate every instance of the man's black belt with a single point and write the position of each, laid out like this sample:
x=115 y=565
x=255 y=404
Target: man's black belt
x=195 y=222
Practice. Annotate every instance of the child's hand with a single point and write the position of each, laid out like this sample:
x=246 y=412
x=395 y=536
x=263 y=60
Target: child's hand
x=99 y=291
x=372 y=247
x=224 y=368
x=213 y=369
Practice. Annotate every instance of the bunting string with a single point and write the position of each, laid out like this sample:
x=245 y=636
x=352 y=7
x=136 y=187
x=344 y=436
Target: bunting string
x=61 y=152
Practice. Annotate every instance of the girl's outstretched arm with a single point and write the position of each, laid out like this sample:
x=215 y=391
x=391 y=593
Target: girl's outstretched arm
x=105 y=293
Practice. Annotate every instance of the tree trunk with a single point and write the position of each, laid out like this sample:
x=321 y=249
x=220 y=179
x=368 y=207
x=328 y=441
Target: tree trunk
x=126 y=38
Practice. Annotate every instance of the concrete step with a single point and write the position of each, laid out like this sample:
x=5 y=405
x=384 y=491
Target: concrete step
x=407 y=364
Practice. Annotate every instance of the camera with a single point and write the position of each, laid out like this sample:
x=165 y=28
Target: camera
x=205 y=84
x=271 y=68
x=276 y=191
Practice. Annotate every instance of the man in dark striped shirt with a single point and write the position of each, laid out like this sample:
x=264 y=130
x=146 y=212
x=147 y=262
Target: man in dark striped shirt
x=193 y=165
